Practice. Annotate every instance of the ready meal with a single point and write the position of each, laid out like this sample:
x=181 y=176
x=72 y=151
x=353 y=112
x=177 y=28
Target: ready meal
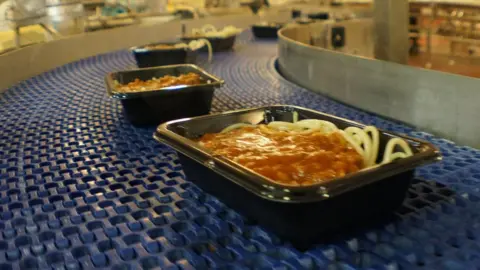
x=304 y=152
x=158 y=83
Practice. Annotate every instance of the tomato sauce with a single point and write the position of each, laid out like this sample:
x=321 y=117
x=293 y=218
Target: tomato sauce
x=288 y=158
x=157 y=83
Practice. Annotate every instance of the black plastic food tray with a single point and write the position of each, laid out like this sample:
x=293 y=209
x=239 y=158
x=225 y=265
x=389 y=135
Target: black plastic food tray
x=156 y=106
x=304 y=21
x=301 y=215
x=149 y=57
x=218 y=44
x=319 y=16
x=266 y=31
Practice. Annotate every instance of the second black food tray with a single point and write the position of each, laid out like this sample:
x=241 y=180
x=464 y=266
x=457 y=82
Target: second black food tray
x=268 y=30
x=160 y=105
x=146 y=56
x=219 y=44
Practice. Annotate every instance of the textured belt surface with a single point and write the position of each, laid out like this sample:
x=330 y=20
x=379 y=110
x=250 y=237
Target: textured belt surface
x=81 y=188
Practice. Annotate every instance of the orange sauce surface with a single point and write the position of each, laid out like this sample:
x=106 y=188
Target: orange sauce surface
x=158 y=83
x=287 y=158
x=160 y=46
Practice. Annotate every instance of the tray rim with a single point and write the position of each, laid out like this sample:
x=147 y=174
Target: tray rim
x=193 y=37
x=142 y=49
x=277 y=26
x=111 y=90
x=427 y=153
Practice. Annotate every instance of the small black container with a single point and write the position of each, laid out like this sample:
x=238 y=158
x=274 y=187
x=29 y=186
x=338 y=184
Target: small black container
x=218 y=44
x=156 y=106
x=319 y=16
x=301 y=215
x=153 y=57
x=267 y=30
x=304 y=21
x=296 y=13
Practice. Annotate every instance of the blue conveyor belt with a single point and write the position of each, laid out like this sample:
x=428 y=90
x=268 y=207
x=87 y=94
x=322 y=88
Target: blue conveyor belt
x=82 y=188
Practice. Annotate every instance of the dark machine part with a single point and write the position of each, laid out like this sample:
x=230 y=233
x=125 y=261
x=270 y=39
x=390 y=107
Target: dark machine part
x=256 y=5
x=185 y=14
x=296 y=13
x=319 y=16
x=338 y=37
x=414 y=46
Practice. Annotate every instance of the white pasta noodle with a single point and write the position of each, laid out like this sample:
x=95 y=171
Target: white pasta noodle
x=212 y=32
x=209 y=31
x=320 y=125
x=366 y=141
x=209 y=28
x=235 y=126
x=267 y=130
x=390 y=154
x=373 y=133
x=353 y=143
x=284 y=126
x=295 y=117
x=197 y=44
x=363 y=140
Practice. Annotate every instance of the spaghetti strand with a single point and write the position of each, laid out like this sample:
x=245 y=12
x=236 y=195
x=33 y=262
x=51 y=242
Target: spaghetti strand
x=366 y=141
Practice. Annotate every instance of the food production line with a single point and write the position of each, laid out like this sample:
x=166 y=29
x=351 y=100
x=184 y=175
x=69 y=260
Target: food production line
x=84 y=185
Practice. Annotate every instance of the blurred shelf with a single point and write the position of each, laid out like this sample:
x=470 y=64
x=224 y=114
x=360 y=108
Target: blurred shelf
x=93 y=2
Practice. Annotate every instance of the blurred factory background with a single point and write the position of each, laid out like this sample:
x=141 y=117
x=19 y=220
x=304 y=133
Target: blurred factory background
x=443 y=35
